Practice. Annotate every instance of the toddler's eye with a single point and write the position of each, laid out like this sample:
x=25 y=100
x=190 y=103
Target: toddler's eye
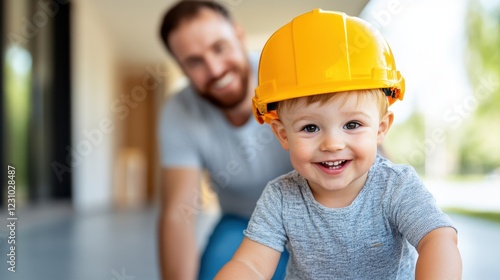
x=310 y=128
x=352 y=125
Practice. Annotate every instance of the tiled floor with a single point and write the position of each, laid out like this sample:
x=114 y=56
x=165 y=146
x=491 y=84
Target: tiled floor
x=54 y=243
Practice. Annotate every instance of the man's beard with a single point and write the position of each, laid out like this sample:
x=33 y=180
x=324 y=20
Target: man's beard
x=231 y=101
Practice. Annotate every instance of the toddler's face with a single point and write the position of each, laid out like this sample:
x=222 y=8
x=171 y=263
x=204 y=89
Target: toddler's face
x=333 y=145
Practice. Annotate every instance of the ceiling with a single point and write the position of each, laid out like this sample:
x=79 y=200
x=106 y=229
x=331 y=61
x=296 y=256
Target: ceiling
x=133 y=25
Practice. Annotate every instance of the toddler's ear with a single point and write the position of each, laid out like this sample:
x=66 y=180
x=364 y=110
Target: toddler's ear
x=383 y=127
x=280 y=133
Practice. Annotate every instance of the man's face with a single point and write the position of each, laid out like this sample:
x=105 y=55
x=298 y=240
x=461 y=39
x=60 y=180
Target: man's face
x=210 y=51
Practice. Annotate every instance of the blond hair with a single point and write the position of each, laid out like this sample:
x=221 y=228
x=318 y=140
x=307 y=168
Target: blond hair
x=363 y=94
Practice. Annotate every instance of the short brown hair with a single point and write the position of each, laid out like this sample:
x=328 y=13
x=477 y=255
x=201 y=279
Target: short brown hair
x=187 y=9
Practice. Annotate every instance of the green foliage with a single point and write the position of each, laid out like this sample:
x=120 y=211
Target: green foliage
x=479 y=148
x=17 y=111
x=403 y=143
x=485 y=215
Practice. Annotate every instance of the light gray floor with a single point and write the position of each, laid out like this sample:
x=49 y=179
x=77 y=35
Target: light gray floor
x=58 y=244
x=54 y=243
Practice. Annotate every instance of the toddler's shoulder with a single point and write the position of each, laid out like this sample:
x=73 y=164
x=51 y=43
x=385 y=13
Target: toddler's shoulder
x=287 y=184
x=387 y=169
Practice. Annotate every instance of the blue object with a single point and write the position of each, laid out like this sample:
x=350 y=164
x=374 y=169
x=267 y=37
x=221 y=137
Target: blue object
x=221 y=246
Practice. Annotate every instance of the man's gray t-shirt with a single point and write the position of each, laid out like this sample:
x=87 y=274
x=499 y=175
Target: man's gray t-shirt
x=373 y=238
x=240 y=160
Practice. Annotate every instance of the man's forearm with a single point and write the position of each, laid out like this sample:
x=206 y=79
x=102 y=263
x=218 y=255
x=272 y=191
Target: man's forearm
x=179 y=257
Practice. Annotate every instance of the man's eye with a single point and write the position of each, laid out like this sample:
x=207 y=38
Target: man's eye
x=219 y=48
x=310 y=128
x=352 y=125
x=193 y=63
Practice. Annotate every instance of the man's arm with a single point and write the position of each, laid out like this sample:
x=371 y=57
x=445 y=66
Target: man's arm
x=439 y=257
x=252 y=261
x=179 y=256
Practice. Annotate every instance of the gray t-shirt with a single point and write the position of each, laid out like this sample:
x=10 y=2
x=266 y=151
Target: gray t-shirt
x=240 y=160
x=373 y=238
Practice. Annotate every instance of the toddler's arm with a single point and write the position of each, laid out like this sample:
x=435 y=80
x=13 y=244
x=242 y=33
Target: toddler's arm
x=439 y=257
x=252 y=260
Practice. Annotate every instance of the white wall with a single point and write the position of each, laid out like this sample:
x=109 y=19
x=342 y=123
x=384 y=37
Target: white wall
x=93 y=120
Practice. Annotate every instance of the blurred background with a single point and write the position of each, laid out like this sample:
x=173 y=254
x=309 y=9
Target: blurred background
x=82 y=82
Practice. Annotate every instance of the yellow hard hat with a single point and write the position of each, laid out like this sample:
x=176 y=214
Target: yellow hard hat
x=323 y=52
